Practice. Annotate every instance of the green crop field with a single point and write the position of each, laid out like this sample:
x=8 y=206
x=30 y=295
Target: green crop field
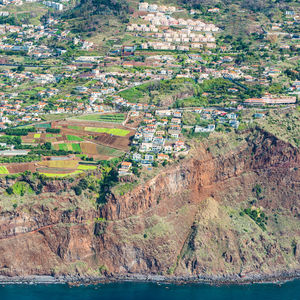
x=74 y=127
x=113 y=131
x=3 y=170
x=86 y=167
x=114 y=118
x=74 y=138
x=50 y=135
x=61 y=175
x=37 y=135
x=76 y=147
x=63 y=147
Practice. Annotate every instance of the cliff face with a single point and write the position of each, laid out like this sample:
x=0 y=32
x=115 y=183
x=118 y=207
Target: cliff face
x=188 y=220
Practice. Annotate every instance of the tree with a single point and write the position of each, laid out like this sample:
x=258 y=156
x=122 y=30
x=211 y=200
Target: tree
x=20 y=68
x=9 y=190
x=83 y=184
x=77 y=190
x=47 y=146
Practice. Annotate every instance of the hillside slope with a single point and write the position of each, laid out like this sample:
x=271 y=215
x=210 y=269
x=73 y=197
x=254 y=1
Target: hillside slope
x=196 y=218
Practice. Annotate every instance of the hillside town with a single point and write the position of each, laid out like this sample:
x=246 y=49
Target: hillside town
x=173 y=64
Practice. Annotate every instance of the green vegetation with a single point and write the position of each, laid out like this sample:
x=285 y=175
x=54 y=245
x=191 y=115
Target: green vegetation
x=156 y=92
x=114 y=118
x=10 y=140
x=20 y=158
x=108 y=151
x=257 y=216
x=76 y=147
x=19 y=131
x=123 y=188
x=285 y=125
x=37 y=135
x=113 y=131
x=63 y=146
x=74 y=127
x=19 y=188
x=86 y=167
x=3 y=170
x=56 y=175
x=74 y=138
x=53 y=130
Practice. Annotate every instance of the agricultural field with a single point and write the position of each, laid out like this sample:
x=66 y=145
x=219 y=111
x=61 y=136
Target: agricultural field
x=63 y=146
x=113 y=131
x=94 y=149
x=111 y=118
x=60 y=164
x=86 y=167
x=103 y=150
x=15 y=168
x=76 y=147
x=68 y=147
x=51 y=135
x=74 y=127
x=74 y=138
x=58 y=175
x=111 y=135
x=3 y=170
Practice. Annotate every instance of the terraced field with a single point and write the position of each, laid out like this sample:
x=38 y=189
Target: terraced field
x=63 y=146
x=62 y=175
x=113 y=131
x=64 y=164
x=86 y=167
x=74 y=138
x=68 y=147
x=76 y=147
x=112 y=118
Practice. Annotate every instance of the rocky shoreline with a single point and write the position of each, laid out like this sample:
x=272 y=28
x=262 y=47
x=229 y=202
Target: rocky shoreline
x=212 y=280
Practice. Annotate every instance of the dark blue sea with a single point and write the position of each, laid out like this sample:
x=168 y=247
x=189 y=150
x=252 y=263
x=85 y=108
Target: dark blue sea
x=129 y=291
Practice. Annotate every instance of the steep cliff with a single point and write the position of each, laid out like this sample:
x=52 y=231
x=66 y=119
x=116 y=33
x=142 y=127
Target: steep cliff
x=188 y=220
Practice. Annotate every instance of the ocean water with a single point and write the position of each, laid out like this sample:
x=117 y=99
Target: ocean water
x=145 y=291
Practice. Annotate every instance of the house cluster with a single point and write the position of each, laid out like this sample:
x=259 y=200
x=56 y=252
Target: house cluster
x=214 y=117
x=119 y=102
x=187 y=38
x=172 y=33
x=146 y=7
x=295 y=88
x=55 y=5
x=160 y=19
x=11 y=2
x=42 y=78
x=28 y=39
x=158 y=137
x=15 y=113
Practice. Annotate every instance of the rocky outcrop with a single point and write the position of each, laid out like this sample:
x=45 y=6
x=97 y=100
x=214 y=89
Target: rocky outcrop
x=186 y=221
